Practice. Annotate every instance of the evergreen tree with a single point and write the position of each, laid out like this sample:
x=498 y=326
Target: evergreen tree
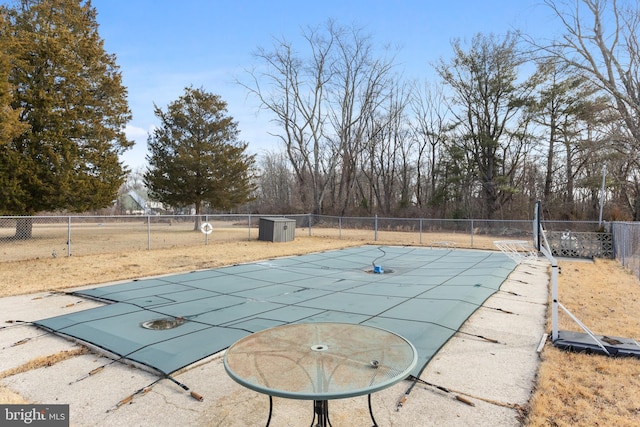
x=10 y=124
x=487 y=97
x=69 y=93
x=196 y=157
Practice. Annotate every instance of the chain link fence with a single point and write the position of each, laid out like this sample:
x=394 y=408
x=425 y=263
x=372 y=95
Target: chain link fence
x=58 y=236
x=626 y=244
x=54 y=236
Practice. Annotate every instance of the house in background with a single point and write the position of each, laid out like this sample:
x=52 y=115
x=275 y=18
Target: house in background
x=136 y=202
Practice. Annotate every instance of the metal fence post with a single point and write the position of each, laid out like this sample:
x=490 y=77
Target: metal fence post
x=249 y=229
x=339 y=227
x=309 y=224
x=148 y=232
x=206 y=235
x=375 y=229
x=420 y=230
x=471 y=233
x=68 y=236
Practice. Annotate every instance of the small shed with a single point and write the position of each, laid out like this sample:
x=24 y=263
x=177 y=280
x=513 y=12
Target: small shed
x=277 y=229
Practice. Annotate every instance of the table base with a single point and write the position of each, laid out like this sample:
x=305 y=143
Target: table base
x=321 y=413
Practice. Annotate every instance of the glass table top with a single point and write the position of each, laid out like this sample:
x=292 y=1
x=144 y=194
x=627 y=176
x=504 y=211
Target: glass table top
x=320 y=361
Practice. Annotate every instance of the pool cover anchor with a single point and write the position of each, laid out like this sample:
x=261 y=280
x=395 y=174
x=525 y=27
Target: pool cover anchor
x=458 y=395
x=192 y=393
x=416 y=380
x=98 y=369
x=91 y=372
x=12 y=323
x=128 y=399
x=23 y=341
x=147 y=388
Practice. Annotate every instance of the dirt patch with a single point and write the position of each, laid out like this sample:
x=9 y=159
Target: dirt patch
x=45 y=361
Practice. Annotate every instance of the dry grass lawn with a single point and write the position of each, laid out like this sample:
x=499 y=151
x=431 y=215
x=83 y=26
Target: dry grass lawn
x=591 y=390
x=572 y=389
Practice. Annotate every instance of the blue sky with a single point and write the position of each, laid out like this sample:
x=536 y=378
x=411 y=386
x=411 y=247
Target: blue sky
x=163 y=46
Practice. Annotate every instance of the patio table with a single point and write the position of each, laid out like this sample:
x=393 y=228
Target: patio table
x=320 y=362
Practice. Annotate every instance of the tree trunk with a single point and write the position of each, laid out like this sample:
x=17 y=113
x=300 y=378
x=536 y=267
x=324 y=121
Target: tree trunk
x=196 y=223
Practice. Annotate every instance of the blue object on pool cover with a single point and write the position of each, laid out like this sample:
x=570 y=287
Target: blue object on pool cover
x=424 y=295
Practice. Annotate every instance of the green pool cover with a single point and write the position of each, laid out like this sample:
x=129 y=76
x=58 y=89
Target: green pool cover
x=423 y=294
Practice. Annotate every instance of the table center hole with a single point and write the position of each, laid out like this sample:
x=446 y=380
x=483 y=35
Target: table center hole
x=320 y=347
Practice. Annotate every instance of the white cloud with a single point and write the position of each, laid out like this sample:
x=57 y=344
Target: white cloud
x=136 y=133
x=134 y=158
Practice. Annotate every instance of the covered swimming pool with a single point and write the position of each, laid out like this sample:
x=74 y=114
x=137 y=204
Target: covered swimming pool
x=170 y=322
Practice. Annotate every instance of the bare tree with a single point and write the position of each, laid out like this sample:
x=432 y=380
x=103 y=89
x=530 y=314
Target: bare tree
x=602 y=42
x=429 y=131
x=276 y=184
x=361 y=85
x=292 y=89
x=323 y=103
x=388 y=163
